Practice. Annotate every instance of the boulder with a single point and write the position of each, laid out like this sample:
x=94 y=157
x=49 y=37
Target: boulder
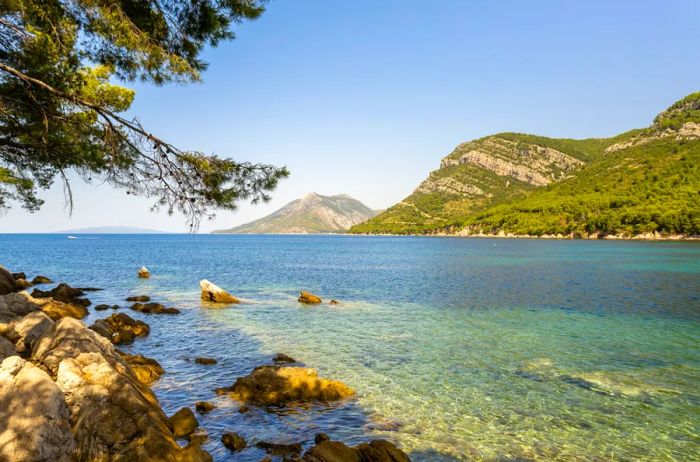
x=7 y=281
x=153 y=308
x=19 y=275
x=183 y=422
x=115 y=417
x=205 y=361
x=138 y=298
x=57 y=310
x=21 y=303
x=233 y=441
x=104 y=307
x=7 y=349
x=34 y=418
x=120 y=328
x=41 y=280
x=147 y=370
x=203 y=407
x=281 y=358
x=21 y=284
x=144 y=273
x=278 y=385
x=25 y=331
x=63 y=293
x=287 y=451
x=215 y=294
x=309 y=298
x=374 y=451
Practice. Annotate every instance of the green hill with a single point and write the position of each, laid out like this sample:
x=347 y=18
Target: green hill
x=641 y=181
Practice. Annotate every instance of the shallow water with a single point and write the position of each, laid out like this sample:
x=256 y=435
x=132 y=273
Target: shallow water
x=459 y=349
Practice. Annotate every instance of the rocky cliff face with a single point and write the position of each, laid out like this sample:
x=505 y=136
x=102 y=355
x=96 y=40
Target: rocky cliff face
x=313 y=213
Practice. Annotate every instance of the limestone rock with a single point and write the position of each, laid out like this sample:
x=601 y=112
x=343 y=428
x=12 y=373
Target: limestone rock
x=7 y=281
x=63 y=293
x=183 y=422
x=374 y=451
x=309 y=298
x=153 y=308
x=213 y=293
x=25 y=331
x=115 y=417
x=20 y=275
x=139 y=298
x=21 y=284
x=20 y=304
x=34 y=418
x=147 y=370
x=287 y=451
x=7 y=349
x=281 y=358
x=277 y=385
x=41 y=280
x=205 y=361
x=57 y=310
x=203 y=407
x=104 y=307
x=233 y=441
x=144 y=273
x=120 y=328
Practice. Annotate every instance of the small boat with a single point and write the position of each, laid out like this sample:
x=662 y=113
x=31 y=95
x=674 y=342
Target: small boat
x=72 y=237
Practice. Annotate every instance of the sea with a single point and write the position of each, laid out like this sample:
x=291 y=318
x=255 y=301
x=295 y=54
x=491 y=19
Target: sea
x=458 y=349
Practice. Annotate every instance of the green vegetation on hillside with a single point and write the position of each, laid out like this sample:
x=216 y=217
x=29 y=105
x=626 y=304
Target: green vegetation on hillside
x=641 y=181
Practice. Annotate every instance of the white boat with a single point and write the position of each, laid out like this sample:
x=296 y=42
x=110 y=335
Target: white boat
x=72 y=237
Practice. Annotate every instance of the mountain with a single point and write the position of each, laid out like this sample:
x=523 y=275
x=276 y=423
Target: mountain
x=110 y=230
x=642 y=181
x=312 y=214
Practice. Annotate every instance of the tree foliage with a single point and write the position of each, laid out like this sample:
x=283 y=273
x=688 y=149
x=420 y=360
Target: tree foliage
x=60 y=111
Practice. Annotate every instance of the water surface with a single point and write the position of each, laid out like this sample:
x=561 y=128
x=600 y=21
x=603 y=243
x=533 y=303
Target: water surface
x=459 y=349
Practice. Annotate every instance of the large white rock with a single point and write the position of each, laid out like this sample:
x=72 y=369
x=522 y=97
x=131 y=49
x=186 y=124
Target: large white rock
x=34 y=419
x=213 y=293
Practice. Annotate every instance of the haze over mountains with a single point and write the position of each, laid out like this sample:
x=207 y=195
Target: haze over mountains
x=642 y=182
x=312 y=214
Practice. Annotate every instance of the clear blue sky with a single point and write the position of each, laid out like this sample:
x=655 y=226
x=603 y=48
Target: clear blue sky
x=365 y=97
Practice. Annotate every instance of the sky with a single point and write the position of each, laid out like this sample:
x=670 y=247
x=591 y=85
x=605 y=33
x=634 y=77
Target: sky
x=366 y=97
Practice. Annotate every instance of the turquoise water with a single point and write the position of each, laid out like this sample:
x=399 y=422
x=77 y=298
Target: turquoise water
x=459 y=349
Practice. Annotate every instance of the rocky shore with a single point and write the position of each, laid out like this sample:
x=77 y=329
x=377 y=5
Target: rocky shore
x=68 y=394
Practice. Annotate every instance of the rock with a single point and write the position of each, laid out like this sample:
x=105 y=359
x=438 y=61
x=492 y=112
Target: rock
x=63 y=293
x=115 y=417
x=139 y=298
x=183 y=422
x=205 y=361
x=288 y=451
x=215 y=294
x=34 y=418
x=22 y=284
x=147 y=370
x=19 y=275
x=7 y=349
x=7 y=281
x=320 y=438
x=278 y=385
x=233 y=441
x=106 y=307
x=153 y=308
x=203 y=407
x=144 y=273
x=41 y=280
x=281 y=358
x=24 y=332
x=120 y=328
x=374 y=451
x=309 y=298
x=243 y=409
x=334 y=302
x=21 y=303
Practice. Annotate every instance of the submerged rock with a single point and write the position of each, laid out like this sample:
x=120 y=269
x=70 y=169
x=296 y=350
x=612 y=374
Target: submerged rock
x=213 y=293
x=278 y=385
x=41 y=280
x=153 y=308
x=120 y=328
x=63 y=293
x=334 y=302
x=25 y=331
x=233 y=441
x=138 y=298
x=183 y=422
x=374 y=451
x=34 y=418
x=203 y=407
x=115 y=417
x=144 y=273
x=205 y=361
x=104 y=307
x=147 y=370
x=281 y=358
x=287 y=451
x=309 y=298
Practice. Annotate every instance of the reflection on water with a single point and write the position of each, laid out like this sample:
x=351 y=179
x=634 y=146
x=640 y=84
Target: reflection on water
x=458 y=349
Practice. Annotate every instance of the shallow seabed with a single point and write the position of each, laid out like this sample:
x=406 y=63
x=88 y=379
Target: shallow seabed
x=459 y=349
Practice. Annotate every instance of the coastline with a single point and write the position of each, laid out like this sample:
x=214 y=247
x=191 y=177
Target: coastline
x=561 y=237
